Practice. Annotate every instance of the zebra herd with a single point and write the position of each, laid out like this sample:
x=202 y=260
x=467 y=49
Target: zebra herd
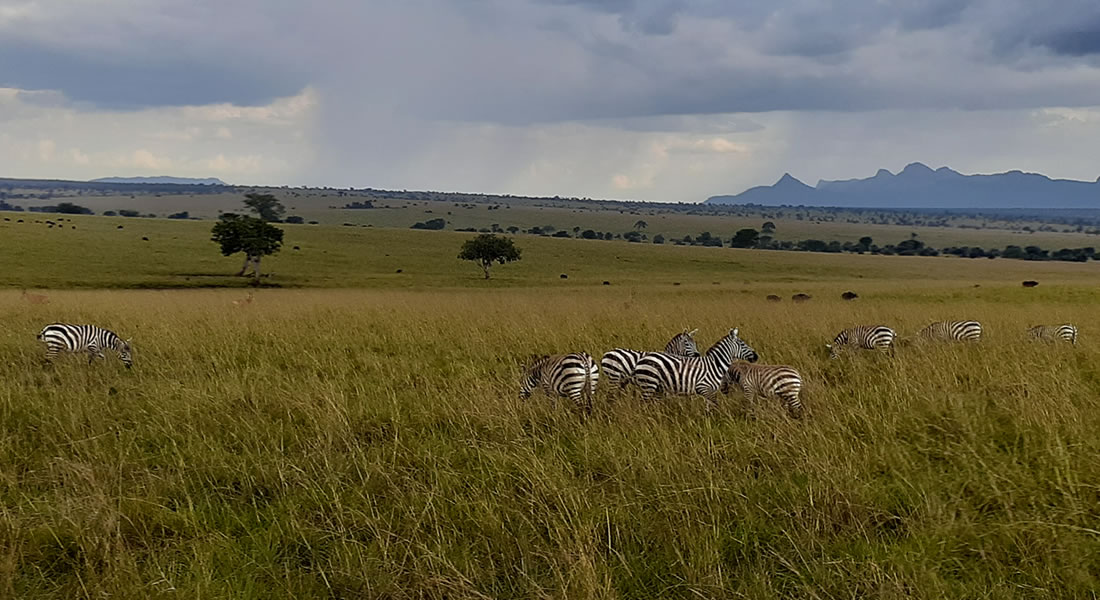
x=677 y=370
x=730 y=362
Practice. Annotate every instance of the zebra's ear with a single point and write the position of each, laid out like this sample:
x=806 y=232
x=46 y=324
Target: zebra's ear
x=693 y=331
x=829 y=346
x=734 y=331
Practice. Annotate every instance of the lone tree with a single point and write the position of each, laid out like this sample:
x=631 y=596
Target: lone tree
x=640 y=225
x=488 y=248
x=745 y=238
x=266 y=206
x=254 y=237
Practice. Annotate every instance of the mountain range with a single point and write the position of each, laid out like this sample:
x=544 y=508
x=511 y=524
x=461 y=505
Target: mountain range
x=918 y=186
x=163 y=179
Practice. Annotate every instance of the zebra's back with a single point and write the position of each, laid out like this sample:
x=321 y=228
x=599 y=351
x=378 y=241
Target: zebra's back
x=570 y=375
x=619 y=364
x=1065 y=331
x=868 y=337
x=781 y=381
x=953 y=331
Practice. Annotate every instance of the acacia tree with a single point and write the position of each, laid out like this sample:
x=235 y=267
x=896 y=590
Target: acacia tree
x=487 y=248
x=254 y=237
x=640 y=225
x=266 y=206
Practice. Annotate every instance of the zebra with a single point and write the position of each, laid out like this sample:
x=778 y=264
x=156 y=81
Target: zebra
x=767 y=380
x=572 y=375
x=619 y=364
x=679 y=375
x=62 y=337
x=952 y=331
x=1050 y=333
x=869 y=337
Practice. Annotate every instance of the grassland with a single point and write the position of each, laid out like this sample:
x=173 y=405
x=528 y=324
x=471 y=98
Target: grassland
x=368 y=442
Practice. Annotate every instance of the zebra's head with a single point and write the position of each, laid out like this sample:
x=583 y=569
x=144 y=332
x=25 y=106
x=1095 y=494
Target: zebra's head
x=683 y=344
x=731 y=348
x=532 y=371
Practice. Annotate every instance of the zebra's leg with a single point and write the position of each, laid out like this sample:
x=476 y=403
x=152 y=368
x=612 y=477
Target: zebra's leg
x=51 y=353
x=92 y=353
x=794 y=405
x=710 y=396
x=750 y=401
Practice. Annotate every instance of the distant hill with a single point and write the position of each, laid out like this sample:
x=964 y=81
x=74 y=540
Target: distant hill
x=163 y=179
x=918 y=186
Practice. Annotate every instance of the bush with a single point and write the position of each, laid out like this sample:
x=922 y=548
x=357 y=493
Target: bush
x=294 y=220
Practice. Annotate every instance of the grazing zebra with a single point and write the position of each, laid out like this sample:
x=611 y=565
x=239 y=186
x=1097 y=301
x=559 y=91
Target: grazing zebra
x=572 y=375
x=678 y=375
x=767 y=380
x=61 y=337
x=952 y=331
x=869 y=337
x=619 y=364
x=1050 y=333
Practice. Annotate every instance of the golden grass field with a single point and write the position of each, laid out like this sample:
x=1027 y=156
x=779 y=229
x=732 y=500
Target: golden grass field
x=368 y=442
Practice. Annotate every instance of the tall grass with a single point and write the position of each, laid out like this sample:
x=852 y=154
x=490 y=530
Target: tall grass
x=357 y=444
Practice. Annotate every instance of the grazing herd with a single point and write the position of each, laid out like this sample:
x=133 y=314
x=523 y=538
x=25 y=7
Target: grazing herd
x=680 y=370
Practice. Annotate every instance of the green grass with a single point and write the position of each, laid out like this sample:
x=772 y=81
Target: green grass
x=180 y=254
x=368 y=442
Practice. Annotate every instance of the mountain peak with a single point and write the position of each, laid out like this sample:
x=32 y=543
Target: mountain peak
x=789 y=180
x=918 y=186
x=915 y=168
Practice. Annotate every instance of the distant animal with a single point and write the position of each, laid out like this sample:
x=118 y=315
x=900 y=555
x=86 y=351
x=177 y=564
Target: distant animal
x=19 y=221
x=119 y=227
x=619 y=364
x=35 y=298
x=563 y=276
x=675 y=283
x=144 y=239
x=63 y=337
x=801 y=297
x=1030 y=283
x=849 y=295
x=244 y=301
x=400 y=270
x=665 y=374
x=562 y=375
x=756 y=380
x=1050 y=333
x=607 y=283
x=774 y=298
x=297 y=248
x=868 y=337
x=952 y=331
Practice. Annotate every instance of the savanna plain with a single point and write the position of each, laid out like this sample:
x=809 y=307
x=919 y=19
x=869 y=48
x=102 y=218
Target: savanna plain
x=356 y=433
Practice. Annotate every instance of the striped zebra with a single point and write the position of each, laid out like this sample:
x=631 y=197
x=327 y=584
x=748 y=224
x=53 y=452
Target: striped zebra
x=659 y=373
x=571 y=375
x=755 y=380
x=1051 y=333
x=618 y=364
x=952 y=331
x=62 y=337
x=869 y=337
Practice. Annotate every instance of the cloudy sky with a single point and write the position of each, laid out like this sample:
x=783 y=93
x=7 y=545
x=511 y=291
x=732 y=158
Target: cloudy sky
x=670 y=100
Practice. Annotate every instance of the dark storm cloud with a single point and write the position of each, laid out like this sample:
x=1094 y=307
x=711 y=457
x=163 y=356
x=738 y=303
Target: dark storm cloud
x=139 y=81
x=522 y=61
